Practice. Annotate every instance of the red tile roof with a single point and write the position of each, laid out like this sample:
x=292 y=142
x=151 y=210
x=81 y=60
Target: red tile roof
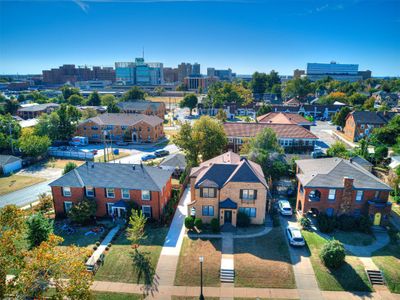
x=281 y=130
x=283 y=118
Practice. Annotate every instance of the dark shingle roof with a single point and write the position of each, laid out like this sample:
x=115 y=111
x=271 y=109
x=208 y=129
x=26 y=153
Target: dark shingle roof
x=228 y=203
x=177 y=160
x=139 y=105
x=7 y=159
x=371 y=117
x=124 y=119
x=329 y=173
x=39 y=107
x=135 y=177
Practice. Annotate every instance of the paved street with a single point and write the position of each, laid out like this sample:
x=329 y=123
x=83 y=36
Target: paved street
x=25 y=196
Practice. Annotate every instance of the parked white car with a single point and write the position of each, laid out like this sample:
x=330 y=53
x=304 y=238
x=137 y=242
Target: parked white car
x=294 y=236
x=284 y=208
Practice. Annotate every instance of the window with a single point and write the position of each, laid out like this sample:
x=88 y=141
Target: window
x=109 y=127
x=208 y=211
x=95 y=128
x=110 y=193
x=125 y=194
x=66 y=191
x=329 y=211
x=109 y=207
x=89 y=191
x=248 y=194
x=377 y=195
x=124 y=127
x=359 y=195
x=67 y=206
x=207 y=192
x=362 y=126
x=146 y=210
x=146 y=195
x=250 y=211
x=148 y=129
x=95 y=136
x=332 y=194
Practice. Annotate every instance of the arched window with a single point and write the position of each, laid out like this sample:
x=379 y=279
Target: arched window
x=314 y=195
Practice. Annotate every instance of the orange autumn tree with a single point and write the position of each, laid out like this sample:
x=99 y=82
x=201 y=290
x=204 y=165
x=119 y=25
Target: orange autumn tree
x=62 y=267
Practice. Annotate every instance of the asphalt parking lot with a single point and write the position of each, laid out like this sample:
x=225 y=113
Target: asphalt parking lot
x=323 y=131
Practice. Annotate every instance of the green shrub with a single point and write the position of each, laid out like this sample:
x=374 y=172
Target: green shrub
x=69 y=167
x=326 y=224
x=83 y=211
x=97 y=243
x=305 y=223
x=109 y=245
x=215 y=225
x=275 y=218
x=243 y=220
x=346 y=223
x=333 y=254
x=94 y=248
x=364 y=224
x=189 y=222
x=198 y=223
x=38 y=229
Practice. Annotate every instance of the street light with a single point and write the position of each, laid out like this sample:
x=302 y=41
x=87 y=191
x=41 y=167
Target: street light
x=201 y=259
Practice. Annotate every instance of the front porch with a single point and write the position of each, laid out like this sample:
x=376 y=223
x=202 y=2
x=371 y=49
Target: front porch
x=227 y=213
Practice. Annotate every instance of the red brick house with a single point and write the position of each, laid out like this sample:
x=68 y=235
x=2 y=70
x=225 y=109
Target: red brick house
x=337 y=186
x=112 y=187
x=360 y=124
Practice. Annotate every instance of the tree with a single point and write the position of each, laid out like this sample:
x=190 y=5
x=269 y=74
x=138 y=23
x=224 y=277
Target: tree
x=221 y=93
x=75 y=100
x=221 y=115
x=357 y=99
x=136 y=225
x=369 y=104
x=39 y=229
x=184 y=139
x=134 y=94
x=264 y=109
x=338 y=149
x=388 y=134
x=12 y=228
x=63 y=267
x=159 y=90
x=68 y=92
x=94 y=99
x=363 y=149
x=33 y=145
x=68 y=119
x=89 y=113
x=190 y=101
x=83 y=211
x=381 y=152
x=8 y=125
x=333 y=254
x=108 y=99
x=297 y=87
x=182 y=87
x=69 y=167
x=340 y=117
x=11 y=106
x=45 y=203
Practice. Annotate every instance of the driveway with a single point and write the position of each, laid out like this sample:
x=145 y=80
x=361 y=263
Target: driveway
x=324 y=132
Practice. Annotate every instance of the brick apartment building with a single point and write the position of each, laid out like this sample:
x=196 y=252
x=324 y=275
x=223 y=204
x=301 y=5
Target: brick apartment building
x=225 y=185
x=34 y=111
x=143 y=107
x=135 y=128
x=360 y=124
x=337 y=186
x=69 y=73
x=114 y=187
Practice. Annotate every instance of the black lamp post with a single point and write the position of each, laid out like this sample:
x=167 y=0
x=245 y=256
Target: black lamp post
x=201 y=259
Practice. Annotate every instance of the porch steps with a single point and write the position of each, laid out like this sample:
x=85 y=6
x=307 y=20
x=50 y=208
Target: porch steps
x=227 y=275
x=378 y=229
x=375 y=277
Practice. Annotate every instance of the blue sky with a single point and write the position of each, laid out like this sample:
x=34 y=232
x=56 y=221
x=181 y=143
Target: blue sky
x=247 y=36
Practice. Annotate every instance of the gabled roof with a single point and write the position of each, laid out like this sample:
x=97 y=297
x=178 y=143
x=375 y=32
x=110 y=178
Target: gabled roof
x=228 y=167
x=39 y=107
x=228 y=203
x=109 y=175
x=281 y=130
x=329 y=173
x=7 y=159
x=283 y=118
x=371 y=117
x=124 y=119
x=176 y=160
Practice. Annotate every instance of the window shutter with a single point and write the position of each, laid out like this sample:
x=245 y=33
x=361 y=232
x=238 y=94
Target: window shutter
x=94 y=192
x=105 y=192
x=201 y=192
x=150 y=195
x=255 y=194
x=241 y=194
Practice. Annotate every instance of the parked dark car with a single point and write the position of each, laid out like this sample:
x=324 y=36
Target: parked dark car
x=161 y=153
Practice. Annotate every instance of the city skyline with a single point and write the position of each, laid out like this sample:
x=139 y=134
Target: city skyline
x=246 y=37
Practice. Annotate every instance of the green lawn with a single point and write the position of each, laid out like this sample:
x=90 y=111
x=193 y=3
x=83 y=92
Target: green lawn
x=14 y=183
x=396 y=209
x=118 y=266
x=111 y=156
x=353 y=238
x=388 y=260
x=116 y=296
x=350 y=276
x=188 y=270
x=263 y=262
x=192 y=298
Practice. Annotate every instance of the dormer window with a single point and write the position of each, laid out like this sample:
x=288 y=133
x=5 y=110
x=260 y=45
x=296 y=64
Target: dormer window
x=207 y=192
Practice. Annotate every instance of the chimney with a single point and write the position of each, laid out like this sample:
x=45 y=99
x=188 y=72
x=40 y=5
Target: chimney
x=351 y=160
x=133 y=167
x=348 y=182
x=92 y=165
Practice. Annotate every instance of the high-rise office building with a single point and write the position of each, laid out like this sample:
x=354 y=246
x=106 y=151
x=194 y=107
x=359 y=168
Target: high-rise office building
x=341 y=72
x=225 y=75
x=196 y=69
x=298 y=73
x=170 y=75
x=184 y=70
x=139 y=72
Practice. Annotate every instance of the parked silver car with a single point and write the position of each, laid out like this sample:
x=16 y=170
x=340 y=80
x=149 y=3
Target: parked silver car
x=284 y=208
x=294 y=236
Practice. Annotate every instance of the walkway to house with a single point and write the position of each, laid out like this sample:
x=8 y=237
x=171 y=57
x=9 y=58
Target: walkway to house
x=304 y=275
x=102 y=247
x=167 y=263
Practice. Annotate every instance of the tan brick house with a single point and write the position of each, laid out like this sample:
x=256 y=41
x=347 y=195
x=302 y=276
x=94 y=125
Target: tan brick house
x=34 y=111
x=143 y=107
x=337 y=186
x=360 y=124
x=225 y=185
x=112 y=187
x=135 y=128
